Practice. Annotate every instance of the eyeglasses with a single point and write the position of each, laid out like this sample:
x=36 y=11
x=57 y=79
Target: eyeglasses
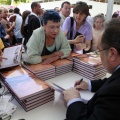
x=97 y=52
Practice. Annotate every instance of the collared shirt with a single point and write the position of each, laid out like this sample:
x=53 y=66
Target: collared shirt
x=62 y=19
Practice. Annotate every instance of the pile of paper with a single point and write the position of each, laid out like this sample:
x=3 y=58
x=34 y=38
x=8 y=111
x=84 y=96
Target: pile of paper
x=89 y=66
x=62 y=66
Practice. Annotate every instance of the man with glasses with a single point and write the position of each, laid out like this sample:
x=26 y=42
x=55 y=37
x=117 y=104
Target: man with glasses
x=105 y=103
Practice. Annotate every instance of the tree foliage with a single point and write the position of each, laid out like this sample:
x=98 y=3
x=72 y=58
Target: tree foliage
x=5 y=2
x=8 y=2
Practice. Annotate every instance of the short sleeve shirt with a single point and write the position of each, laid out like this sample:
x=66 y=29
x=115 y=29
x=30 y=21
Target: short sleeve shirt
x=85 y=29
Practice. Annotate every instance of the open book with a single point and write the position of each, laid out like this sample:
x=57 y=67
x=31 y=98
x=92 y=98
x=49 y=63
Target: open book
x=13 y=55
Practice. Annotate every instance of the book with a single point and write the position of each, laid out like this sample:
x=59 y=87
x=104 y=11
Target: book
x=14 y=72
x=43 y=72
x=26 y=86
x=12 y=55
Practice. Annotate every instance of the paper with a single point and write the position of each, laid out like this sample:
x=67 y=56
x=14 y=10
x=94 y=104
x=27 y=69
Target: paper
x=58 y=88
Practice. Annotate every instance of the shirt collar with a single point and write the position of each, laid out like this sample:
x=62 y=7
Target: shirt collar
x=62 y=16
x=117 y=68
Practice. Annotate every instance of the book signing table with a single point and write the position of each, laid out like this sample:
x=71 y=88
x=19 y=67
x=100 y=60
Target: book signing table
x=34 y=86
x=55 y=109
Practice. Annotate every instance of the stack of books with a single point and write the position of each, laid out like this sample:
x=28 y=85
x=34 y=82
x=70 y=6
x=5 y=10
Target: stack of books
x=62 y=66
x=28 y=90
x=44 y=72
x=89 y=66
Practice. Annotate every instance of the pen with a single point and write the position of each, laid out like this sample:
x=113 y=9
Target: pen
x=80 y=81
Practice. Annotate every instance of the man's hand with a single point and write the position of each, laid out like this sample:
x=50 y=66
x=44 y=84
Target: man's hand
x=70 y=94
x=83 y=85
x=79 y=39
x=50 y=60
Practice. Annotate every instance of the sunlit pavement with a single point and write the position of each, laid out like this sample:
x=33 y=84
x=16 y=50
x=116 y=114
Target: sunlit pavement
x=98 y=7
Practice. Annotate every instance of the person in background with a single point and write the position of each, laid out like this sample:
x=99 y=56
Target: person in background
x=115 y=15
x=17 y=28
x=32 y=21
x=104 y=105
x=24 y=31
x=97 y=30
x=10 y=12
x=7 y=27
x=57 y=9
x=80 y=29
x=3 y=35
x=65 y=11
x=47 y=43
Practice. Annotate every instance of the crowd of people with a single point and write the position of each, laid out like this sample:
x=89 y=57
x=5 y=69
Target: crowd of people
x=52 y=34
x=78 y=29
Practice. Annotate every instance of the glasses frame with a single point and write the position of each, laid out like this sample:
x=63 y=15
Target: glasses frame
x=97 y=52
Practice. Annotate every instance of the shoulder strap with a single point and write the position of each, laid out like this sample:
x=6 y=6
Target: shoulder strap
x=71 y=31
x=71 y=26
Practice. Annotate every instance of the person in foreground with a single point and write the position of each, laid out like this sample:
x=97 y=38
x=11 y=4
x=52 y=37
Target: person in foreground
x=48 y=43
x=105 y=103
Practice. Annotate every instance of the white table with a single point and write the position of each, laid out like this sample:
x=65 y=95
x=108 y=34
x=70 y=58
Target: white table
x=56 y=109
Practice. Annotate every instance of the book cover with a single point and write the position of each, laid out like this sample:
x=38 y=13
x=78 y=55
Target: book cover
x=90 y=60
x=38 y=67
x=26 y=86
x=14 y=72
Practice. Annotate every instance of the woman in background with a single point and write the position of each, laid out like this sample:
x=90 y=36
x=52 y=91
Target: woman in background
x=80 y=28
x=24 y=26
x=97 y=30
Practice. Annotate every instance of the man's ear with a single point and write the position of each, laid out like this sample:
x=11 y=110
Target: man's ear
x=113 y=54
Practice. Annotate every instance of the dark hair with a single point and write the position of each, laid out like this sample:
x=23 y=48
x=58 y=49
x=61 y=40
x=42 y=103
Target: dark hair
x=24 y=16
x=34 y=4
x=66 y=2
x=115 y=15
x=111 y=35
x=11 y=10
x=51 y=15
x=81 y=7
x=17 y=10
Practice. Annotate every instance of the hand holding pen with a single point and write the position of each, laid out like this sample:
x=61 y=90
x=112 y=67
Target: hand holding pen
x=81 y=85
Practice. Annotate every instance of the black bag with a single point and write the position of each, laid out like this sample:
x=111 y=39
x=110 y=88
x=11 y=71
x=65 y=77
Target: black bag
x=71 y=32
